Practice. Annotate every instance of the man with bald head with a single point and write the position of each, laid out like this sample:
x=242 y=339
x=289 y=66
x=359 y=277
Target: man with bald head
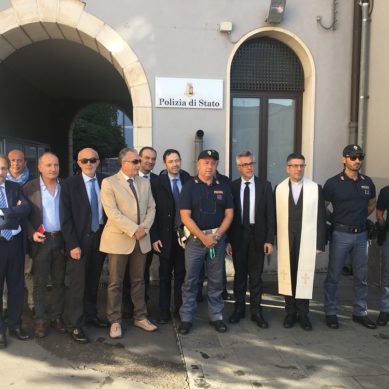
x=82 y=220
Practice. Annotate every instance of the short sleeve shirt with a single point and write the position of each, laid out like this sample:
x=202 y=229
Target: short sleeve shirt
x=207 y=203
x=349 y=198
x=383 y=199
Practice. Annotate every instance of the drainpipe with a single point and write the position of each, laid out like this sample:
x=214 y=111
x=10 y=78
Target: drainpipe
x=198 y=147
x=363 y=73
x=355 y=59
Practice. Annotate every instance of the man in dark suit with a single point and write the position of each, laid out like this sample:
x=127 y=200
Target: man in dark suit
x=46 y=243
x=251 y=236
x=166 y=189
x=82 y=221
x=13 y=208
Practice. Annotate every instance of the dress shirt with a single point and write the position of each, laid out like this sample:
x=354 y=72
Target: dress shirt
x=14 y=232
x=133 y=180
x=296 y=190
x=88 y=190
x=50 y=207
x=144 y=175
x=252 y=198
x=179 y=184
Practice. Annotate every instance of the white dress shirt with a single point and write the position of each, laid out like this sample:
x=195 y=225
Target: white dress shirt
x=87 y=180
x=252 y=198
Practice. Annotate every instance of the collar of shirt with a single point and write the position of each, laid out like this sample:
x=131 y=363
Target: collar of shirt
x=87 y=178
x=144 y=174
x=44 y=187
x=251 y=181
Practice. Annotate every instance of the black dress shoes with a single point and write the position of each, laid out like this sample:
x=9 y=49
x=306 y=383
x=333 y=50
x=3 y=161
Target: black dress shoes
x=219 y=325
x=365 y=321
x=79 y=336
x=305 y=323
x=3 y=341
x=226 y=296
x=239 y=313
x=383 y=318
x=184 y=327
x=290 y=320
x=18 y=333
x=259 y=319
x=164 y=317
x=58 y=325
x=96 y=322
x=332 y=321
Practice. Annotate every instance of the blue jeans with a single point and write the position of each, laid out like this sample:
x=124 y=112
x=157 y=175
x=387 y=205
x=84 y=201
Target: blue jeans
x=385 y=276
x=196 y=254
x=341 y=245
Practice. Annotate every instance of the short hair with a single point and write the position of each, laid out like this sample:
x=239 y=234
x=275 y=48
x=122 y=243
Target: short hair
x=246 y=153
x=168 y=152
x=123 y=152
x=4 y=157
x=44 y=154
x=295 y=156
x=20 y=151
x=147 y=148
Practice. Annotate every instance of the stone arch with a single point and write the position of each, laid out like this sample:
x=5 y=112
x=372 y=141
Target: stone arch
x=29 y=21
x=306 y=59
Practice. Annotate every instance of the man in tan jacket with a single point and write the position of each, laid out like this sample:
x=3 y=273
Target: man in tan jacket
x=130 y=209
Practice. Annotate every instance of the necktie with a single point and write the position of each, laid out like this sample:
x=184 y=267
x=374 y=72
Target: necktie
x=131 y=182
x=94 y=204
x=6 y=234
x=176 y=195
x=246 y=205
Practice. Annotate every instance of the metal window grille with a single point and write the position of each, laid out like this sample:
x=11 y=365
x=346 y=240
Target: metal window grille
x=266 y=64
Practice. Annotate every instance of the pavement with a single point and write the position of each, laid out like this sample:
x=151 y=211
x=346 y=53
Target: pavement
x=246 y=356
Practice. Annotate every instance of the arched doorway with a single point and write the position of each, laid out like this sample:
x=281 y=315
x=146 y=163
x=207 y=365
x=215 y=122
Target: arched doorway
x=55 y=59
x=270 y=94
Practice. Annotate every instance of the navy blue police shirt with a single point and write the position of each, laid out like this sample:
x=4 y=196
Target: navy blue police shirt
x=349 y=198
x=207 y=203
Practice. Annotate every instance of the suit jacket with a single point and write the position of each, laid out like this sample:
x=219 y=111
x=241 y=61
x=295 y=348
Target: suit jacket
x=15 y=213
x=120 y=207
x=32 y=191
x=75 y=211
x=163 y=226
x=264 y=214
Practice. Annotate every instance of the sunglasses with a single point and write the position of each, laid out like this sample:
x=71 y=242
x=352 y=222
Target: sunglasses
x=355 y=157
x=134 y=161
x=86 y=160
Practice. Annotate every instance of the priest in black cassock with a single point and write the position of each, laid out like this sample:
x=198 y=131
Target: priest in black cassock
x=301 y=235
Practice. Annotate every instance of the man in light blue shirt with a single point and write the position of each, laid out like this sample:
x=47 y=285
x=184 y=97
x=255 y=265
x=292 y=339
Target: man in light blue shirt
x=47 y=244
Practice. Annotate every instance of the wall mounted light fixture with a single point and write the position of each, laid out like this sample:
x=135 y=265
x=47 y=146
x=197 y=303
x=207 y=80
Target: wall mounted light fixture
x=276 y=11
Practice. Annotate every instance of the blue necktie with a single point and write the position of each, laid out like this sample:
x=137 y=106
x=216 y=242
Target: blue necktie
x=6 y=234
x=94 y=204
x=176 y=195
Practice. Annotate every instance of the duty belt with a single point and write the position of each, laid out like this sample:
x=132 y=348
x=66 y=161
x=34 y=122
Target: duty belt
x=348 y=229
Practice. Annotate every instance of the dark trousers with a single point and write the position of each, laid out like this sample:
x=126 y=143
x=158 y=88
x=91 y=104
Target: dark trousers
x=293 y=305
x=49 y=260
x=248 y=261
x=175 y=263
x=82 y=283
x=12 y=271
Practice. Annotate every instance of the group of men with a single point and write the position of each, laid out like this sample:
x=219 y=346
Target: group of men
x=190 y=223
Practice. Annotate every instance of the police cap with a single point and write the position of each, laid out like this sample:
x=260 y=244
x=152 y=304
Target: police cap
x=352 y=150
x=208 y=154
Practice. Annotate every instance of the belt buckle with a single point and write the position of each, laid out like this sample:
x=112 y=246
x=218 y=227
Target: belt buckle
x=355 y=230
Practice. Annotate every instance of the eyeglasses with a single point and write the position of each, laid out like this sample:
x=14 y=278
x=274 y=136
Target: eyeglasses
x=134 y=161
x=355 y=157
x=296 y=166
x=246 y=164
x=84 y=161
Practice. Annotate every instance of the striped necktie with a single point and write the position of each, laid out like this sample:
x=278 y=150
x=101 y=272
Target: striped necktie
x=6 y=234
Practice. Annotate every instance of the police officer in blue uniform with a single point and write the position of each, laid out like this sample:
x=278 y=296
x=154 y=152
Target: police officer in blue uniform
x=206 y=210
x=352 y=196
x=383 y=239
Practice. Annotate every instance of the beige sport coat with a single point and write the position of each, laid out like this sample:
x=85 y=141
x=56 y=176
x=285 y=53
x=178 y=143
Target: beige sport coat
x=120 y=207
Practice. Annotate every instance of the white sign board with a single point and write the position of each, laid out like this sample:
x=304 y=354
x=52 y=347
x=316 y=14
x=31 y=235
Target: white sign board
x=188 y=93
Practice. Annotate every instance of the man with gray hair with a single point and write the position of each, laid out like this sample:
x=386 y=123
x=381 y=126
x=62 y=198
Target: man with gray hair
x=130 y=209
x=251 y=236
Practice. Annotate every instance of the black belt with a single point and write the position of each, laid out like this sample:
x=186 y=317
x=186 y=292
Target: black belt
x=348 y=229
x=52 y=234
x=14 y=237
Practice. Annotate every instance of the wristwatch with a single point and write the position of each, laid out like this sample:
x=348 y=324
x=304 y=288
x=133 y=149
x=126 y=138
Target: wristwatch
x=218 y=237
